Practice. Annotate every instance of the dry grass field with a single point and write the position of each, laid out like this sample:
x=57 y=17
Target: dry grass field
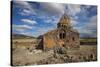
x=24 y=52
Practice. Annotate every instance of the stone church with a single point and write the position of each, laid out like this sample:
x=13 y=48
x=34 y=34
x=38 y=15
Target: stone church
x=64 y=36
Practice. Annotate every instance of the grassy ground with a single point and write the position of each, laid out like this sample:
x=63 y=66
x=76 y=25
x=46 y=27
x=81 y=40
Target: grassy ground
x=31 y=56
x=88 y=40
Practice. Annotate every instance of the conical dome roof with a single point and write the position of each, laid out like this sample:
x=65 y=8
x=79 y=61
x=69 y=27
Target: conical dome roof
x=65 y=20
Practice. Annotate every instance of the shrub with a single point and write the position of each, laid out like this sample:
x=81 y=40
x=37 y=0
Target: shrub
x=60 y=50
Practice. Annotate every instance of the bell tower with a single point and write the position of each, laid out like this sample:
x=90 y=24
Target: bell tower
x=64 y=22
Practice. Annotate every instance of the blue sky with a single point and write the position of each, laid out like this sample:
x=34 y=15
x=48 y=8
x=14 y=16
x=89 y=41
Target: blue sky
x=37 y=18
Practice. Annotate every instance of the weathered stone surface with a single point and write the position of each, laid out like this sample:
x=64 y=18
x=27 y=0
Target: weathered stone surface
x=64 y=36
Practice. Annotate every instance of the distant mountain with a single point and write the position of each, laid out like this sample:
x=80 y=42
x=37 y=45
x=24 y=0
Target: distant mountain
x=19 y=36
x=88 y=37
x=40 y=37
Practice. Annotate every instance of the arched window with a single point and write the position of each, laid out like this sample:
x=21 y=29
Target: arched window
x=73 y=39
x=62 y=35
x=63 y=45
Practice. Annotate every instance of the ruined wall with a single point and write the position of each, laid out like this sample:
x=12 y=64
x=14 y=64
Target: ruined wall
x=52 y=39
x=49 y=40
x=73 y=40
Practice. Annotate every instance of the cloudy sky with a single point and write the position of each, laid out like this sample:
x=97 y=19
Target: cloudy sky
x=36 y=18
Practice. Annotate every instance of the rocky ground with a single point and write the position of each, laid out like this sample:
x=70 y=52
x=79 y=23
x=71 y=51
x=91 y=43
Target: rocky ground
x=32 y=56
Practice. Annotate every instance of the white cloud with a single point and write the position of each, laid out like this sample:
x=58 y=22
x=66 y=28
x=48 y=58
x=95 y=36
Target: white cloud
x=73 y=9
x=21 y=27
x=93 y=22
x=52 y=19
x=49 y=8
x=29 y=21
x=27 y=9
x=49 y=21
x=43 y=30
x=73 y=22
x=51 y=12
x=53 y=8
x=22 y=4
x=59 y=9
x=27 y=33
x=92 y=26
x=89 y=28
x=40 y=30
x=26 y=12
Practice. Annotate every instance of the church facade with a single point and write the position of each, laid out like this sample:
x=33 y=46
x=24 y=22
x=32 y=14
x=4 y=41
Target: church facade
x=64 y=36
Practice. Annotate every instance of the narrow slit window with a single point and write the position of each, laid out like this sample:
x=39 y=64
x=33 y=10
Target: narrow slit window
x=73 y=39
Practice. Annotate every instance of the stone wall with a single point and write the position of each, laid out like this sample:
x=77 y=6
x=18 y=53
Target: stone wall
x=52 y=39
